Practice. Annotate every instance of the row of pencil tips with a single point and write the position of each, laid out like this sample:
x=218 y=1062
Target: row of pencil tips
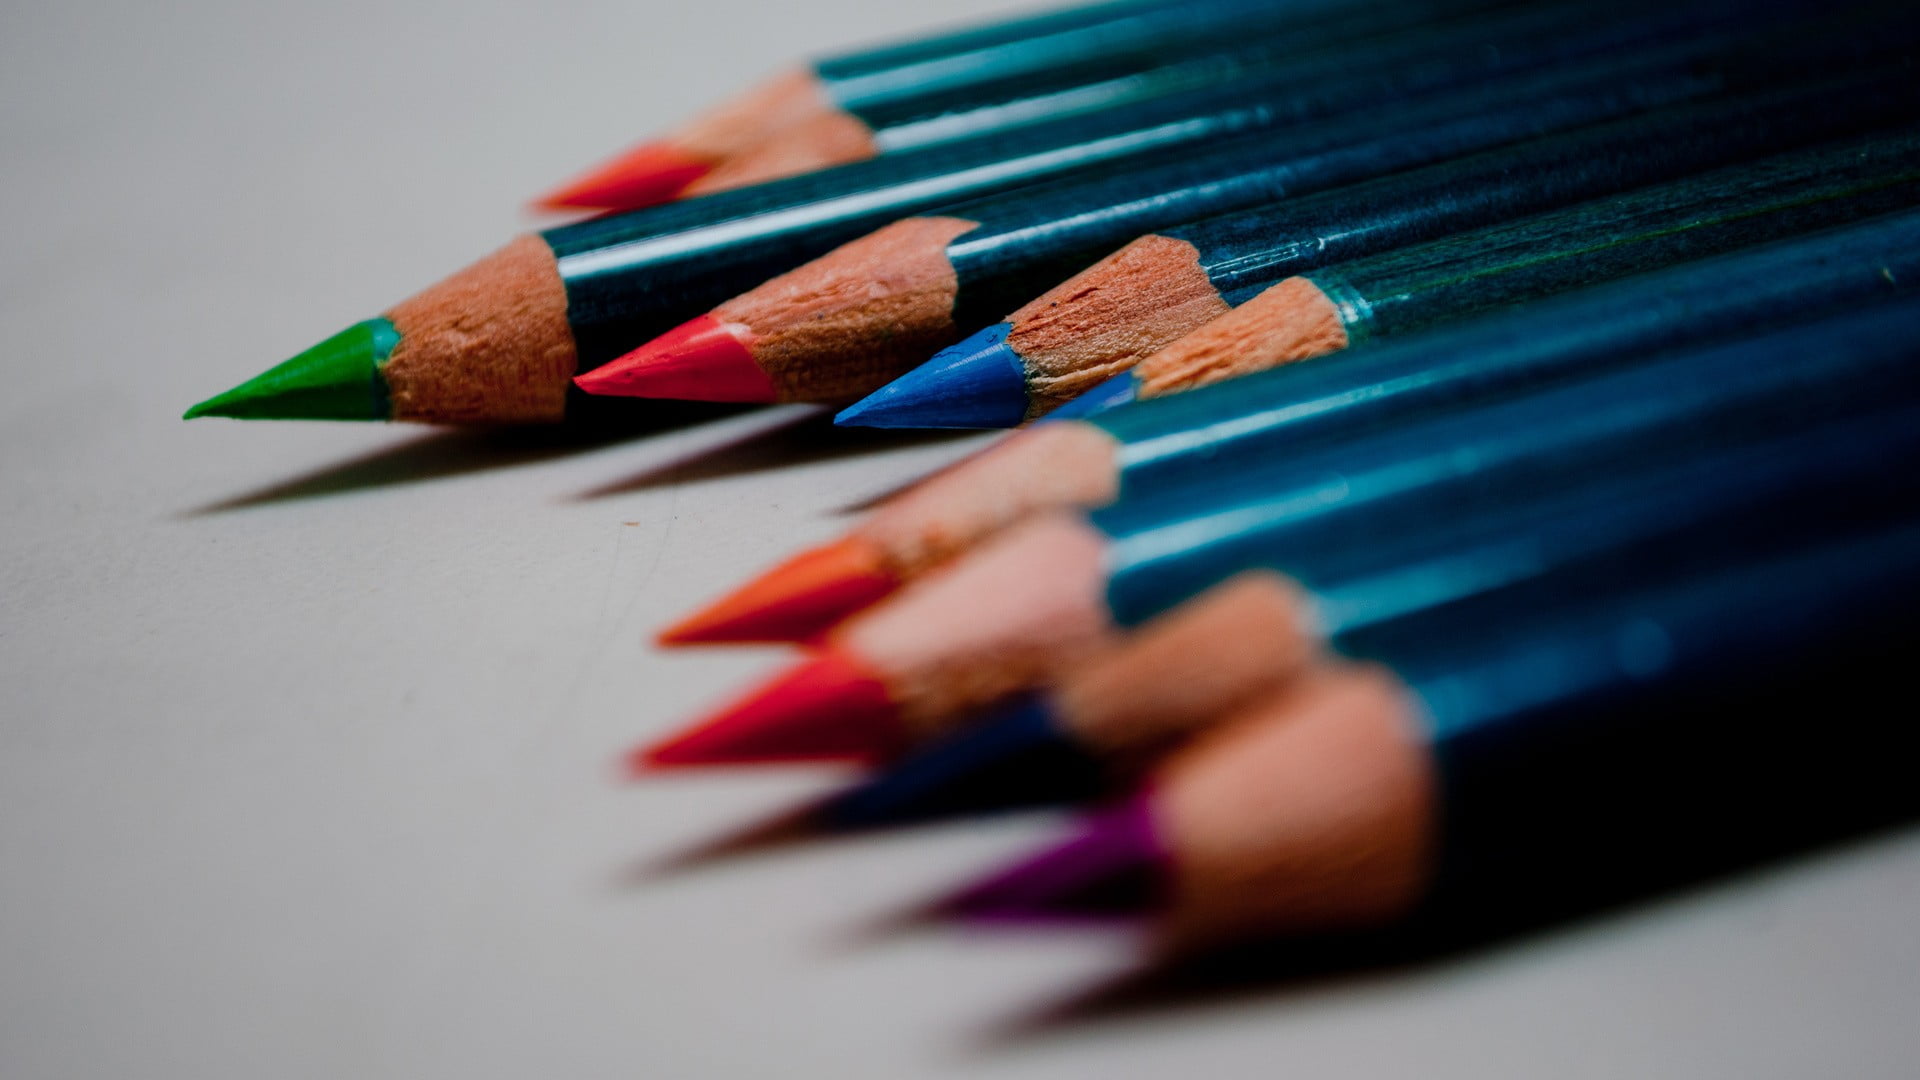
x=1570 y=632
x=1468 y=454
x=1290 y=205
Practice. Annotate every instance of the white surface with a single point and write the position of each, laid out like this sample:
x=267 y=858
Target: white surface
x=320 y=786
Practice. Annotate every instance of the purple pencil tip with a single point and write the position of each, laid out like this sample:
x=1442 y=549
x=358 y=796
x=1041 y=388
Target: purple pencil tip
x=1114 y=867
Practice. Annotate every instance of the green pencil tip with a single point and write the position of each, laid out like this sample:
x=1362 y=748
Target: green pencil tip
x=338 y=379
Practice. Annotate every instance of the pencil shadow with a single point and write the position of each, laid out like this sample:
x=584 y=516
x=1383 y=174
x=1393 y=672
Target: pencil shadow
x=873 y=501
x=805 y=823
x=773 y=832
x=1286 y=970
x=438 y=455
x=1271 y=973
x=805 y=440
x=869 y=503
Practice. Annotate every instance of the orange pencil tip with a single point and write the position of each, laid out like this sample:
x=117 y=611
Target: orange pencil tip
x=652 y=173
x=828 y=708
x=701 y=360
x=795 y=601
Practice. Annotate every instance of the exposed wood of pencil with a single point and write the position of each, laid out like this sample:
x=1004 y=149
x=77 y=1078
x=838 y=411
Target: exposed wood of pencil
x=828 y=138
x=1316 y=809
x=1291 y=321
x=790 y=101
x=490 y=344
x=1014 y=615
x=1208 y=658
x=1111 y=316
x=666 y=168
x=1056 y=465
x=1053 y=466
x=898 y=276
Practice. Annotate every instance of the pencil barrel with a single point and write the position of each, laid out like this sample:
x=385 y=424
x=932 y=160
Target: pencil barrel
x=1679 y=732
x=1618 y=236
x=1373 y=502
x=1483 y=88
x=1168 y=443
x=1157 y=52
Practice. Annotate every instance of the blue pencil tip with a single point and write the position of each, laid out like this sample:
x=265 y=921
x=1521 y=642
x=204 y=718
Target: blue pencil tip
x=1112 y=393
x=979 y=383
x=1019 y=757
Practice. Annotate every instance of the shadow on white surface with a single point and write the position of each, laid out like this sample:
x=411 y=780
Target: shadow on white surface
x=807 y=439
x=1294 y=972
x=439 y=455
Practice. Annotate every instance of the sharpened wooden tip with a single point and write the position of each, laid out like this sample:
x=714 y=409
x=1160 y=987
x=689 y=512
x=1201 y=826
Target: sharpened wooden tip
x=1111 y=316
x=788 y=100
x=1316 y=809
x=1191 y=667
x=489 y=345
x=715 y=140
x=819 y=142
x=1052 y=467
x=1011 y=616
x=1181 y=673
x=1289 y=322
x=848 y=322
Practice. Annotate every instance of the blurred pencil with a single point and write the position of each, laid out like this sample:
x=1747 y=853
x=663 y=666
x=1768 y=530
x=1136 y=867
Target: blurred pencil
x=1085 y=464
x=945 y=87
x=1060 y=589
x=844 y=324
x=1651 y=738
x=1189 y=668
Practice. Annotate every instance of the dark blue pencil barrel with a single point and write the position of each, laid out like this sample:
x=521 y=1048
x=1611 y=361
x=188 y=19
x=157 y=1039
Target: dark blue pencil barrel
x=1169 y=442
x=1682 y=729
x=1358 y=506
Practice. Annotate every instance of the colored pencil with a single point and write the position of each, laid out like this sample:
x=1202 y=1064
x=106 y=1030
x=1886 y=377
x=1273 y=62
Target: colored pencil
x=1402 y=291
x=499 y=341
x=1486 y=765
x=1062 y=588
x=1248 y=637
x=907 y=96
x=1086 y=464
x=1163 y=286
x=844 y=324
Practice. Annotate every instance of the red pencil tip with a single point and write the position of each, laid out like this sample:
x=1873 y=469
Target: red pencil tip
x=829 y=708
x=1115 y=866
x=794 y=601
x=654 y=172
x=701 y=360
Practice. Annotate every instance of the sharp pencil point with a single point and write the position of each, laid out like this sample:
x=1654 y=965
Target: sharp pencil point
x=700 y=360
x=654 y=172
x=829 y=708
x=338 y=379
x=1114 y=866
x=979 y=383
x=1020 y=756
x=794 y=601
